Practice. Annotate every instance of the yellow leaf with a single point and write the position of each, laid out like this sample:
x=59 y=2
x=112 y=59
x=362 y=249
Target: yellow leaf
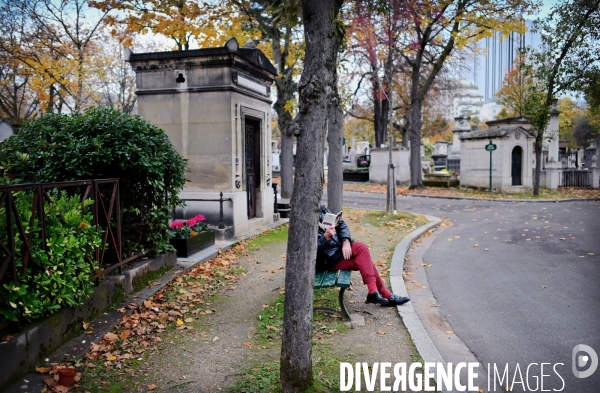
x=180 y=322
x=111 y=358
x=42 y=370
x=85 y=325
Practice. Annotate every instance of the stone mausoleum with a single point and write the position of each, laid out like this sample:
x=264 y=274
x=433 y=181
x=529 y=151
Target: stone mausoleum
x=215 y=106
x=511 y=161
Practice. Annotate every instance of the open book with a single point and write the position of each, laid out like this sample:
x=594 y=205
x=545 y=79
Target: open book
x=330 y=220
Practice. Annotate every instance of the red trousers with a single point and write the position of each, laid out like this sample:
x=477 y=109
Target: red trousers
x=361 y=261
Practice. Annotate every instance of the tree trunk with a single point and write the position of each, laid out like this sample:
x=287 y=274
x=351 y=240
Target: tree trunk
x=416 y=180
x=287 y=163
x=285 y=91
x=316 y=86
x=538 y=165
x=335 y=176
x=335 y=135
x=380 y=115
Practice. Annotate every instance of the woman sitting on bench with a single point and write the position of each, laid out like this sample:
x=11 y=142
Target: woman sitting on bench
x=337 y=251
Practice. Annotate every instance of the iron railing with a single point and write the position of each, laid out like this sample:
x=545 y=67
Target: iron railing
x=575 y=179
x=221 y=224
x=106 y=211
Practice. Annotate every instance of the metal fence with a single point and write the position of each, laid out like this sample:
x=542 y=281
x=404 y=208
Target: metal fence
x=106 y=211
x=575 y=179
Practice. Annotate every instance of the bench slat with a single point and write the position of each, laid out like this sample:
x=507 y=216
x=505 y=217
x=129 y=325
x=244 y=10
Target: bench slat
x=343 y=280
x=330 y=279
x=319 y=276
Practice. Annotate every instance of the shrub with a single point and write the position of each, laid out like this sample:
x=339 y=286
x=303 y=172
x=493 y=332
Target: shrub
x=355 y=170
x=104 y=143
x=61 y=276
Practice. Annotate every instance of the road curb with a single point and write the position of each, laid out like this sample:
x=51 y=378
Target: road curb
x=428 y=351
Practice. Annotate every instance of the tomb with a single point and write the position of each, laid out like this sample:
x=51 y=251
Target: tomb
x=215 y=106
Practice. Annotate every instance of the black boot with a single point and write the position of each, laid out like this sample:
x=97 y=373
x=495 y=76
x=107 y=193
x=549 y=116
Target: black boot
x=396 y=300
x=376 y=298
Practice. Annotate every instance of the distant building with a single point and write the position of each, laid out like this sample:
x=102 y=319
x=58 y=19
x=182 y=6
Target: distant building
x=6 y=130
x=495 y=58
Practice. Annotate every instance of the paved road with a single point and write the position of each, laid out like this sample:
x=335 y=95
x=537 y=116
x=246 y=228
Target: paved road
x=531 y=297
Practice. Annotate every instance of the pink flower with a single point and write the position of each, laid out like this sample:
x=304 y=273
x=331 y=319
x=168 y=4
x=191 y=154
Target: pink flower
x=199 y=217
x=177 y=225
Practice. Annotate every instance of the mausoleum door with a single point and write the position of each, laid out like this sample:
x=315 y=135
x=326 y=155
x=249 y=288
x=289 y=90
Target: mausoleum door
x=252 y=162
x=516 y=167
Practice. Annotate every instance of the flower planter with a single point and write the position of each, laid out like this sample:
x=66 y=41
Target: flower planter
x=193 y=244
x=356 y=176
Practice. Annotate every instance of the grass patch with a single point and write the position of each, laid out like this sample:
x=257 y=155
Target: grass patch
x=140 y=282
x=400 y=220
x=264 y=377
x=277 y=235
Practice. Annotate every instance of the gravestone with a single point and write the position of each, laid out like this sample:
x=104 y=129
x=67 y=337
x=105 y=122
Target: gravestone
x=215 y=106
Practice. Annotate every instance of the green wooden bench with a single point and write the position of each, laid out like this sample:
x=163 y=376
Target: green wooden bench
x=336 y=278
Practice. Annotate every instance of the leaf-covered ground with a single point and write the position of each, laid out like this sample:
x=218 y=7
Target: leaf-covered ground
x=562 y=193
x=218 y=327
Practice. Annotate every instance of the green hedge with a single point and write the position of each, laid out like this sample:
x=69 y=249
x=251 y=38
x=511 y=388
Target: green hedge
x=104 y=143
x=61 y=276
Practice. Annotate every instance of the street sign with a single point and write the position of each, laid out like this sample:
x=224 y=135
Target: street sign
x=490 y=147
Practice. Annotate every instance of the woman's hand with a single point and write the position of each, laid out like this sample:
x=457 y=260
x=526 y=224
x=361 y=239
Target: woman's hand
x=347 y=249
x=329 y=233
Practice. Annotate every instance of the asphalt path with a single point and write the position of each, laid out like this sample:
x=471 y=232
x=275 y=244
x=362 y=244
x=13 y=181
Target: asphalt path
x=518 y=281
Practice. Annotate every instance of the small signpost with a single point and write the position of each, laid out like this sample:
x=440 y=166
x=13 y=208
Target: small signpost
x=490 y=147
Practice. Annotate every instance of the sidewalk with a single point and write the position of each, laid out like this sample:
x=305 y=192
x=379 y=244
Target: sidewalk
x=216 y=350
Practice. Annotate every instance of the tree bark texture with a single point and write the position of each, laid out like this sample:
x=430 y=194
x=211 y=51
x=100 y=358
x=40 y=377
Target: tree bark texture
x=316 y=87
x=335 y=134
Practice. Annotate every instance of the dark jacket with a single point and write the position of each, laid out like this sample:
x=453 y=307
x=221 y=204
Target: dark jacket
x=329 y=252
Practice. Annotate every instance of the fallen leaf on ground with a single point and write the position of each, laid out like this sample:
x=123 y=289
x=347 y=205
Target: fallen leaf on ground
x=111 y=337
x=151 y=387
x=381 y=332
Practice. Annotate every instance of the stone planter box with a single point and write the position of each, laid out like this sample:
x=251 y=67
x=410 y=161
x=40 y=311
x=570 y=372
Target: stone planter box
x=356 y=176
x=439 y=181
x=189 y=246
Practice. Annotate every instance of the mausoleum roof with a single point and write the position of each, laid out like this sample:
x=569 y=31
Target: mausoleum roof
x=494 y=132
x=253 y=55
